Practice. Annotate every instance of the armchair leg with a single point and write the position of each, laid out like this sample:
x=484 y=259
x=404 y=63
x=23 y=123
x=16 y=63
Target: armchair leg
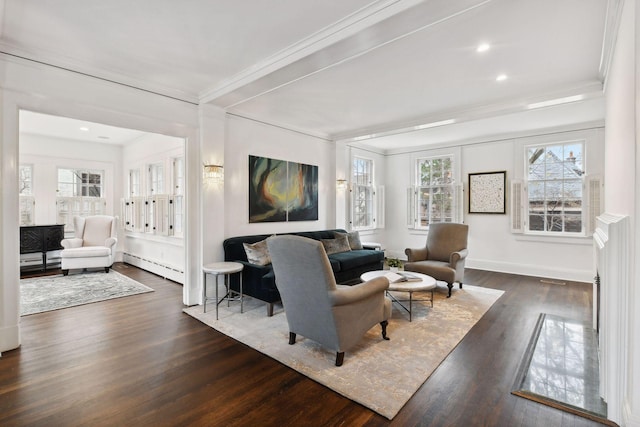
x=450 y=286
x=269 y=309
x=460 y=285
x=292 y=338
x=106 y=269
x=384 y=324
x=65 y=272
x=339 y=358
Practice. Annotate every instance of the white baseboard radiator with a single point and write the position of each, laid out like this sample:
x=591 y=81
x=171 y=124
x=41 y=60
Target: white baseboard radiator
x=157 y=267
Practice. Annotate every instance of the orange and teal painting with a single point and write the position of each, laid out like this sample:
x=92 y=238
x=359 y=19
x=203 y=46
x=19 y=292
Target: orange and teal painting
x=282 y=191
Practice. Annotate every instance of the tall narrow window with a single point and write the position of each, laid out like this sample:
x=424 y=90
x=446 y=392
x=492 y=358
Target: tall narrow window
x=555 y=175
x=156 y=179
x=363 y=193
x=25 y=191
x=435 y=192
x=134 y=183
x=178 y=197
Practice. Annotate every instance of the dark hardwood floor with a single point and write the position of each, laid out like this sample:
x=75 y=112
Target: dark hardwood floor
x=139 y=361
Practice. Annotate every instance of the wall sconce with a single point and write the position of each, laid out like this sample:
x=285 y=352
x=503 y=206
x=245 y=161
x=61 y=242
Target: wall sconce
x=341 y=184
x=213 y=174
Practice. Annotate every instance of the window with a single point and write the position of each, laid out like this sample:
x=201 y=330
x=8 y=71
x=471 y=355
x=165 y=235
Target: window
x=134 y=183
x=25 y=184
x=555 y=175
x=25 y=191
x=76 y=182
x=156 y=179
x=435 y=197
x=177 y=201
x=363 y=193
x=80 y=193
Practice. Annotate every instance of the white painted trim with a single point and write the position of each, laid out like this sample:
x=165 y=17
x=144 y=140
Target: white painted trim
x=44 y=58
x=367 y=16
x=609 y=38
x=590 y=90
x=531 y=270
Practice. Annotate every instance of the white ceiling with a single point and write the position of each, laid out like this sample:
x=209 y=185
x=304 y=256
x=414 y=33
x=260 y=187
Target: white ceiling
x=338 y=69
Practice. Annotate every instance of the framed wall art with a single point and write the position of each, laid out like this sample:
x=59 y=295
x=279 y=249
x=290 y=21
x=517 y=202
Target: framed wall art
x=487 y=192
x=282 y=191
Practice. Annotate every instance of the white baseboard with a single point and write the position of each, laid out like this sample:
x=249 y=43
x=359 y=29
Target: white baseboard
x=531 y=270
x=157 y=267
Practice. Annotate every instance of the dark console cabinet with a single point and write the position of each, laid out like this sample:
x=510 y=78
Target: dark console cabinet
x=41 y=239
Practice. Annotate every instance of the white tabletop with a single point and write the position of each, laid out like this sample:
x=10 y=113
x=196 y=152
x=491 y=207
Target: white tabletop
x=426 y=284
x=222 y=267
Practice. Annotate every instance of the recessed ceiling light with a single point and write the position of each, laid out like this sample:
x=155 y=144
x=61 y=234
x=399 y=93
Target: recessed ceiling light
x=556 y=101
x=501 y=77
x=483 y=47
x=103 y=137
x=435 y=124
x=84 y=129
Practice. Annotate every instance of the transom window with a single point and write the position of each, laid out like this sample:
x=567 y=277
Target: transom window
x=78 y=182
x=555 y=175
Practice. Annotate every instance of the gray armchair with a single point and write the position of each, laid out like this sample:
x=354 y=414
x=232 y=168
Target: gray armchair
x=335 y=316
x=444 y=255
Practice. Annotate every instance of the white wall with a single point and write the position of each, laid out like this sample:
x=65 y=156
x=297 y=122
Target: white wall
x=492 y=246
x=622 y=190
x=149 y=149
x=246 y=137
x=47 y=154
x=39 y=88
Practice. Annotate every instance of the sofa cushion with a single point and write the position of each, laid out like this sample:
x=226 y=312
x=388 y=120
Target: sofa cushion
x=354 y=239
x=337 y=245
x=354 y=259
x=257 y=253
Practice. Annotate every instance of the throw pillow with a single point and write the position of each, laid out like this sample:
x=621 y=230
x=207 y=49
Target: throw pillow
x=334 y=246
x=257 y=253
x=354 y=239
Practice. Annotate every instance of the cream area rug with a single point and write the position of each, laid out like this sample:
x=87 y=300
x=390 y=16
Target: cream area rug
x=54 y=292
x=381 y=375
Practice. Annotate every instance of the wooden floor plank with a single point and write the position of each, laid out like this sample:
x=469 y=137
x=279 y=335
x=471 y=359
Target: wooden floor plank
x=140 y=361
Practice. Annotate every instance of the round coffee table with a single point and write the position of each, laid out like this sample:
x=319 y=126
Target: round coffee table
x=425 y=284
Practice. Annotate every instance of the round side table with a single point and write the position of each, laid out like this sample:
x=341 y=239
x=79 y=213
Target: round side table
x=222 y=269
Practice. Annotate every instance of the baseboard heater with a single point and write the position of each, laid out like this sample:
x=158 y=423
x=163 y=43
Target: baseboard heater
x=156 y=267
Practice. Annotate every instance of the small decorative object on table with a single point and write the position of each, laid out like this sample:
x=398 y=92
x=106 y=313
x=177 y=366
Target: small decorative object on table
x=394 y=264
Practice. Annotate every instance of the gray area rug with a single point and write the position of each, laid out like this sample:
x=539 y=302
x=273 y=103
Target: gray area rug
x=381 y=375
x=54 y=292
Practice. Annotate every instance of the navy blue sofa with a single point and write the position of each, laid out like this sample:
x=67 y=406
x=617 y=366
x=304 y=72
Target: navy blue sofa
x=259 y=281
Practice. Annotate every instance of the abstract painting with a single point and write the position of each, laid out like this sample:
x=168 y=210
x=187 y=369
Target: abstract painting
x=487 y=192
x=282 y=191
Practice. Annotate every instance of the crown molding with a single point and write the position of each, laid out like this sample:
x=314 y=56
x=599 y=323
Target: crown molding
x=323 y=53
x=48 y=59
x=610 y=36
x=589 y=90
x=492 y=138
x=352 y=24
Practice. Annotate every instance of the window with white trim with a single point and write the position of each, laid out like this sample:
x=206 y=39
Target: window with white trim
x=25 y=191
x=362 y=194
x=435 y=196
x=177 y=200
x=80 y=193
x=554 y=185
x=156 y=179
x=134 y=183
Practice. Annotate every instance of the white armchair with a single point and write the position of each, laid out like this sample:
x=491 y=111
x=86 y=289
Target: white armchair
x=93 y=244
